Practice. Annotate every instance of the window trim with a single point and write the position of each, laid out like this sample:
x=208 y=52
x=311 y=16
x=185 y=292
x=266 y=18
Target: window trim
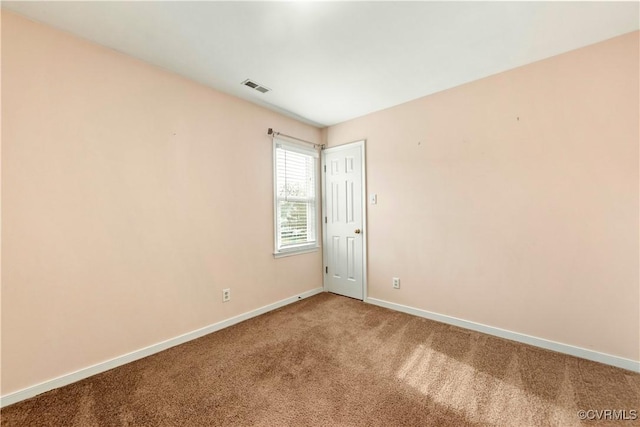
x=306 y=247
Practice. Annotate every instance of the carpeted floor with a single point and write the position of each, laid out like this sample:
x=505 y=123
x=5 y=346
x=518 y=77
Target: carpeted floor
x=330 y=360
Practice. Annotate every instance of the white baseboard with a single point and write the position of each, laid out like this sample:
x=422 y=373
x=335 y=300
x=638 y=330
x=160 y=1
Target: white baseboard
x=620 y=362
x=66 y=379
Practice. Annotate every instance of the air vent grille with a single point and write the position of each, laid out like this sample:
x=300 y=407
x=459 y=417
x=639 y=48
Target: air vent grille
x=256 y=86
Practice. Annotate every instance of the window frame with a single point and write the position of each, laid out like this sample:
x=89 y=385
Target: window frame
x=309 y=246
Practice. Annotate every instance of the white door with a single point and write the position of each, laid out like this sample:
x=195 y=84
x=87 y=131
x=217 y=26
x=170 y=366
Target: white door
x=344 y=231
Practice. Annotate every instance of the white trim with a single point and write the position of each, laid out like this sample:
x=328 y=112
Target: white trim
x=81 y=374
x=323 y=213
x=362 y=144
x=583 y=353
x=305 y=250
x=275 y=196
x=365 y=203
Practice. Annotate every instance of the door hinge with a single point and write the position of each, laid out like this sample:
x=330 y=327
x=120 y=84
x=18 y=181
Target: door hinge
x=325 y=168
x=326 y=270
x=325 y=219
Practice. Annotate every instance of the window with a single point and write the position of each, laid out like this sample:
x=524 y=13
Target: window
x=295 y=181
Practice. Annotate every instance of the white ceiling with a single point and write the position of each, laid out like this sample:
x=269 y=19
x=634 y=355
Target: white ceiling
x=327 y=62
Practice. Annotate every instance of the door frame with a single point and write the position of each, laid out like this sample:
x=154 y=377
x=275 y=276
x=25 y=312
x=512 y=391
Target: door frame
x=323 y=167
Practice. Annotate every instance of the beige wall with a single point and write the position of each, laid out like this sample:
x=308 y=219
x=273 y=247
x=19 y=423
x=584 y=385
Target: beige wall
x=130 y=198
x=512 y=201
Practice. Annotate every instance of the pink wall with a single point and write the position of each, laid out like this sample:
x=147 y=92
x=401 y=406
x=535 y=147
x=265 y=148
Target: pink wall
x=512 y=201
x=130 y=198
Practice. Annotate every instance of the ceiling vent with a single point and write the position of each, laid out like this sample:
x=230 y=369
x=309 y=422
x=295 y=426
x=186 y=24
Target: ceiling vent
x=256 y=86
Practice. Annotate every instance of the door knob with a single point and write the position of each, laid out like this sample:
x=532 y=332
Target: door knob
x=357 y=231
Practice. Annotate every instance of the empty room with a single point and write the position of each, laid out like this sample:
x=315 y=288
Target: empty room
x=320 y=213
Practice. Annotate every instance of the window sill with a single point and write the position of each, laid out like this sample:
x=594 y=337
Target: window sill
x=295 y=252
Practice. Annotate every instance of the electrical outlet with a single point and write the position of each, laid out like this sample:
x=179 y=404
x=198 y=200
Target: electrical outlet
x=226 y=295
x=396 y=283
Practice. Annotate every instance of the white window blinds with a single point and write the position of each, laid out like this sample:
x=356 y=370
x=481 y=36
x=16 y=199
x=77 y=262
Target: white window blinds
x=295 y=196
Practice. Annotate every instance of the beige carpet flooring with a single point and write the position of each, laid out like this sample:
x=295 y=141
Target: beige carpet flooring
x=334 y=361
